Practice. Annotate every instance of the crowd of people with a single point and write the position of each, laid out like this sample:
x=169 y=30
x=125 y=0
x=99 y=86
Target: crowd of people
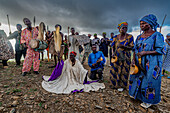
x=70 y=76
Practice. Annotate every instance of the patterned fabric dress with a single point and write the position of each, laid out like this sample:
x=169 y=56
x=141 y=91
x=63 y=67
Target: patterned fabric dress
x=31 y=55
x=146 y=86
x=120 y=69
x=6 y=49
x=166 y=59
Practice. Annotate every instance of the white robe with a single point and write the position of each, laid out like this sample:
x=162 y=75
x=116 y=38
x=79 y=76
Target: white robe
x=72 y=78
x=74 y=46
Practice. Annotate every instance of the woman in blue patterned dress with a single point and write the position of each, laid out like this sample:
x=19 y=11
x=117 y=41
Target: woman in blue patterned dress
x=121 y=48
x=148 y=51
x=166 y=59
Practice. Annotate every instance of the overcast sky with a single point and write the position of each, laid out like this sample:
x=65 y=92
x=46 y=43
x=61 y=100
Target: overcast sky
x=87 y=16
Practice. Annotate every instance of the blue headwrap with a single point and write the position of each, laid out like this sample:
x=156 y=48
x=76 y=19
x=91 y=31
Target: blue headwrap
x=152 y=20
x=168 y=34
x=19 y=25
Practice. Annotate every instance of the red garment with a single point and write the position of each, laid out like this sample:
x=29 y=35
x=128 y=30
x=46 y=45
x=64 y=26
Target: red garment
x=74 y=53
x=31 y=55
x=27 y=35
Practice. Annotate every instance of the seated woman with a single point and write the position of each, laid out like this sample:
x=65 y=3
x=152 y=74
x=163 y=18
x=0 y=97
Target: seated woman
x=73 y=77
x=148 y=51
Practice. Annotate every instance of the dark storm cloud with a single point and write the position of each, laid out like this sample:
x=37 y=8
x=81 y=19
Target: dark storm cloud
x=85 y=15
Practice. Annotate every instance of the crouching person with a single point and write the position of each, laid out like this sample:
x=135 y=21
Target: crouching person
x=96 y=61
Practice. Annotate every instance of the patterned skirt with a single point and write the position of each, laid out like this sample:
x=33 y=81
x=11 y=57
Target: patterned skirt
x=6 y=50
x=119 y=73
x=166 y=60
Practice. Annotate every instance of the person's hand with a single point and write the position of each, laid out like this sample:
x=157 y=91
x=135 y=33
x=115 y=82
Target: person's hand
x=98 y=60
x=133 y=62
x=93 y=65
x=113 y=55
x=24 y=45
x=49 y=39
x=167 y=41
x=121 y=46
x=142 y=53
x=76 y=43
x=19 y=31
x=60 y=58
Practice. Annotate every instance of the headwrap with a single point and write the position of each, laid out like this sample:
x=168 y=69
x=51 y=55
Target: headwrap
x=122 y=24
x=25 y=19
x=73 y=53
x=95 y=34
x=89 y=34
x=19 y=25
x=168 y=34
x=152 y=20
x=59 y=26
x=104 y=33
x=72 y=28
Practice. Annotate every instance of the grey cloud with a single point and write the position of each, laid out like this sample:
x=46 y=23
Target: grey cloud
x=93 y=16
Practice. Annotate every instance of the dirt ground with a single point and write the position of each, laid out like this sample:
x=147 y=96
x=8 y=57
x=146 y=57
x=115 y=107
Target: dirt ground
x=25 y=95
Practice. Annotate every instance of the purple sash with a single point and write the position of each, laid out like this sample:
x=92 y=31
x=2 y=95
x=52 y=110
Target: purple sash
x=81 y=90
x=57 y=71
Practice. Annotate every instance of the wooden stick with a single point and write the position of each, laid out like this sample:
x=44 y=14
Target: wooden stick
x=68 y=36
x=34 y=21
x=9 y=25
x=47 y=28
x=162 y=23
x=48 y=54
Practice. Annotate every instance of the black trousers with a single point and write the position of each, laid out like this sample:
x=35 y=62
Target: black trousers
x=18 y=56
x=99 y=72
x=110 y=53
x=4 y=62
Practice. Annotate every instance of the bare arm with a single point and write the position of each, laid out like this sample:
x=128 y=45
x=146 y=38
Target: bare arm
x=143 y=53
x=113 y=51
x=133 y=59
x=167 y=42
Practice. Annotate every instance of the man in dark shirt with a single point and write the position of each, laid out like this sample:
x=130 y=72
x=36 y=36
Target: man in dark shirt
x=104 y=45
x=20 y=49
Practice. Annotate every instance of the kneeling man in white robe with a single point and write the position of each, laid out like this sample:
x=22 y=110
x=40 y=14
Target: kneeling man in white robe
x=73 y=77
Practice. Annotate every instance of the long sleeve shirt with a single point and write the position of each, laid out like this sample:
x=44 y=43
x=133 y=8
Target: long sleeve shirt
x=27 y=35
x=93 y=57
x=104 y=46
x=17 y=36
x=97 y=42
